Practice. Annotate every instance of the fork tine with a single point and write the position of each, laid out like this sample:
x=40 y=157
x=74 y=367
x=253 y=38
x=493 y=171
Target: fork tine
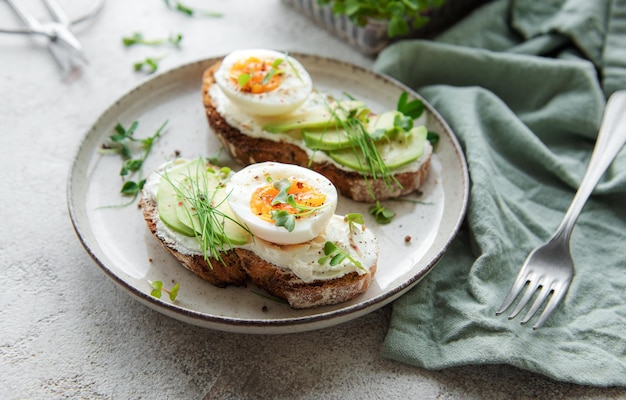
x=557 y=296
x=544 y=292
x=530 y=291
x=516 y=289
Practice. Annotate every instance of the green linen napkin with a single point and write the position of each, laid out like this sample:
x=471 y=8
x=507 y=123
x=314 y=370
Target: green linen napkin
x=523 y=85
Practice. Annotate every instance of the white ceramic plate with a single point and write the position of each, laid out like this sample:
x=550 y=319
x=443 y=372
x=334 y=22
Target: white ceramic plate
x=118 y=240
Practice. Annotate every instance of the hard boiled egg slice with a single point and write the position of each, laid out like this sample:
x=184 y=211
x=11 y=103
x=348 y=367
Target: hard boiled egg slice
x=282 y=203
x=264 y=82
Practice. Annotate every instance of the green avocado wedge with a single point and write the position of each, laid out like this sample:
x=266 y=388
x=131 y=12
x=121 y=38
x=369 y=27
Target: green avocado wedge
x=220 y=222
x=322 y=117
x=328 y=139
x=394 y=153
x=383 y=124
x=167 y=198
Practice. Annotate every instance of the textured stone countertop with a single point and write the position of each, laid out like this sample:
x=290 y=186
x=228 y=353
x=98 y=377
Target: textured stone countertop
x=68 y=331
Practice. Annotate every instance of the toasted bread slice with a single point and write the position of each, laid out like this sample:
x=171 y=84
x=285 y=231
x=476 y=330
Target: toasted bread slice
x=247 y=150
x=242 y=264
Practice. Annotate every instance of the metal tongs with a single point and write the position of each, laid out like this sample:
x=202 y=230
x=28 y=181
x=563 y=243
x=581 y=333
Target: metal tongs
x=64 y=46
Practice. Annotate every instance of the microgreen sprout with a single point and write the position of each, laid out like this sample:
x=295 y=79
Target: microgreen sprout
x=413 y=108
x=283 y=217
x=157 y=289
x=149 y=64
x=334 y=256
x=243 y=79
x=121 y=143
x=432 y=137
x=354 y=218
x=215 y=159
x=138 y=38
x=273 y=71
x=182 y=8
x=381 y=214
x=293 y=67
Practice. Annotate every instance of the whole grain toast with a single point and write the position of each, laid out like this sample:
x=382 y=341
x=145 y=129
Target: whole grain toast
x=240 y=265
x=248 y=150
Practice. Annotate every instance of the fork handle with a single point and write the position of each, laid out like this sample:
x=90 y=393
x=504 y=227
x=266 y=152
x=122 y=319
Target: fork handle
x=610 y=140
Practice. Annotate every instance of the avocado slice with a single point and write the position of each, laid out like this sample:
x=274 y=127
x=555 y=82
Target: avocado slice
x=212 y=186
x=321 y=117
x=379 y=127
x=395 y=153
x=383 y=123
x=328 y=139
x=167 y=198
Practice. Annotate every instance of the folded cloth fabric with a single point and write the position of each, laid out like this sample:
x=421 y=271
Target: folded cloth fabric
x=523 y=85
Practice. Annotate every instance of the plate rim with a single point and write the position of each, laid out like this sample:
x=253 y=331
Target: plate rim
x=267 y=325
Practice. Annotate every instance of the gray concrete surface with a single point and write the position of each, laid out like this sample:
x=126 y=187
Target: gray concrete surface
x=68 y=332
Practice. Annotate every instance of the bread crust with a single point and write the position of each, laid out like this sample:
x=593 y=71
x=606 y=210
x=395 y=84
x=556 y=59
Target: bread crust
x=241 y=265
x=282 y=283
x=247 y=150
x=220 y=274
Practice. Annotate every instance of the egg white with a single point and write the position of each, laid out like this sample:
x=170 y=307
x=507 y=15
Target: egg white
x=293 y=91
x=243 y=184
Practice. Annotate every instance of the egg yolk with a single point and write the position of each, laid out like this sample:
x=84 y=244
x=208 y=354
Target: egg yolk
x=303 y=193
x=254 y=75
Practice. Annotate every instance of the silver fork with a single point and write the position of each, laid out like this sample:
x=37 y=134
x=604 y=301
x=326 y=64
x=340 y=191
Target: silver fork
x=549 y=268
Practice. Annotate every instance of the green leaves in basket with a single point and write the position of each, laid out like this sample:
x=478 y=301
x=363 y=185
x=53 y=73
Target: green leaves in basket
x=400 y=15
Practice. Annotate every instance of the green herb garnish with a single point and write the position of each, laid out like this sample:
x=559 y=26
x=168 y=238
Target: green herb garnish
x=283 y=217
x=157 y=288
x=215 y=159
x=273 y=71
x=182 y=8
x=243 y=79
x=293 y=67
x=381 y=214
x=121 y=143
x=432 y=137
x=334 y=256
x=149 y=64
x=137 y=38
x=413 y=108
x=354 y=218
